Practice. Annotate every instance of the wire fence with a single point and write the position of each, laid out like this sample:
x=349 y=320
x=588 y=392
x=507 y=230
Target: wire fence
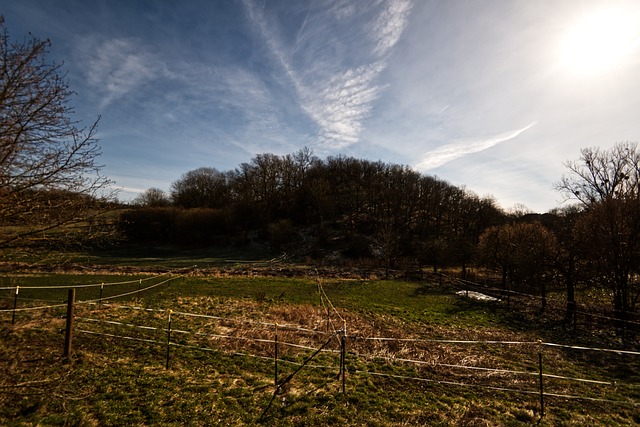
x=582 y=314
x=21 y=299
x=436 y=361
x=535 y=368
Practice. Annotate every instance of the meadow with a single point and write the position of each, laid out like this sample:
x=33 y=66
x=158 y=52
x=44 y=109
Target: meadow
x=196 y=347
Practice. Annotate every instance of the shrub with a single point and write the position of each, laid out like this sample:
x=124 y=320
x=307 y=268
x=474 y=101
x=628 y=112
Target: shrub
x=148 y=224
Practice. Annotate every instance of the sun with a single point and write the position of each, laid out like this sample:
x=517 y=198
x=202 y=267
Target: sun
x=600 y=42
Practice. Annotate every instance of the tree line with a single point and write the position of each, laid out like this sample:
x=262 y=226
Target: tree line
x=346 y=208
x=360 y=208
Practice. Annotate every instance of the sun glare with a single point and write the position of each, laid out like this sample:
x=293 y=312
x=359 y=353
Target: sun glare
x=600 y=42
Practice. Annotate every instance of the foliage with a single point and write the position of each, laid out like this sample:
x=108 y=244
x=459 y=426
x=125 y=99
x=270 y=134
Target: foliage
x=357 y=208
x=201 y=226
x=200 y=188
x=149 y=224
x=198 y=227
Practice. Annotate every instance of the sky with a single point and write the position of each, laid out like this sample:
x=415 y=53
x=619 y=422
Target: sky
x=494 y=95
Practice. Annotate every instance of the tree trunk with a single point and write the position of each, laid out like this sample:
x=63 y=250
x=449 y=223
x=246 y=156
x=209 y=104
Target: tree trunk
x=619 y=310
x=570 y=314
x=543 y=296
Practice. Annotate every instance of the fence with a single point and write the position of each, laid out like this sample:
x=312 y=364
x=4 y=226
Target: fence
x=519 y=367
x=582 y=316
x=94 y=293
x=266 y=341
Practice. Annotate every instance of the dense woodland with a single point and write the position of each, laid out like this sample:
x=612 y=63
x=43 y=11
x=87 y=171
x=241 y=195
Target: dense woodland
x=342 y=206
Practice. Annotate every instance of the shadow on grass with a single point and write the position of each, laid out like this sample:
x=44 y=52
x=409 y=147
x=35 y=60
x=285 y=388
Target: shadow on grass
x=139 y=255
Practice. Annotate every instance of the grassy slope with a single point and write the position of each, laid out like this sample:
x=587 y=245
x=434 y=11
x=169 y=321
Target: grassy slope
x=117 y=382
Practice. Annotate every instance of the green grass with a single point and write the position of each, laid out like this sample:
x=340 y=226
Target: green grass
x=111 y=381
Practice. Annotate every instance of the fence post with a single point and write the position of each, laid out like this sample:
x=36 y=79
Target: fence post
x=168 y=340
x=328 y=319
x=275 y=359
x=101 y=288
x=15 y=304
x=541 y=376
x=68 y=336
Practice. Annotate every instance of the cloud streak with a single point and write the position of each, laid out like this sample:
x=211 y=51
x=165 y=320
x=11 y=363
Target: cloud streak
x=390 y=24
x=336 y=98
x=341 y=105
x=447 y=153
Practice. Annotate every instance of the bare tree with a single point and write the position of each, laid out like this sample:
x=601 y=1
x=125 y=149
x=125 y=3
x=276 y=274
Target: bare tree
x=601 y=175
x=523 y=252
x=607 y=182
x=563 y=222
x=152 y=197
x=49 y=176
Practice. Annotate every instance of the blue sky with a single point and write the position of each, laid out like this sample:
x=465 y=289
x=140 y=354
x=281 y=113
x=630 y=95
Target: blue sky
x=491 y=95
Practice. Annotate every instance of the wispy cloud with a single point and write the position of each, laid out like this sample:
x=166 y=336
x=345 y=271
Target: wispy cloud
x=336 y=98
x=390 y=24
x=128 y=189
x=449 y=152
x=116 y=67
x=342 y=103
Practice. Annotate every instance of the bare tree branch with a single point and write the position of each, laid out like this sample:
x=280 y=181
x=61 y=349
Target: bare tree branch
x=49 y=175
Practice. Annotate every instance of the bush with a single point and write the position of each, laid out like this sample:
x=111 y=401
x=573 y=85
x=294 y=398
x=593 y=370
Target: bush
x=201 y=226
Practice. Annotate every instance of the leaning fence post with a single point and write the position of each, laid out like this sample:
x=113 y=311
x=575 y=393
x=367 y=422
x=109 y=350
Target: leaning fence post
x=68 y=336
x=168 y=340
x=541 y=376
x=15 y=304
x=275 y=359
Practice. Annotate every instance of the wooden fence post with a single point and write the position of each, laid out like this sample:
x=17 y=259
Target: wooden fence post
x=68 y=336
x=541 y=377
x=275 y=359
x=343 y=346
x=328 y=319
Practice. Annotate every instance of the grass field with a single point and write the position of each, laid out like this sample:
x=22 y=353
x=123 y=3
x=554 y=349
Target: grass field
x=221 y=364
